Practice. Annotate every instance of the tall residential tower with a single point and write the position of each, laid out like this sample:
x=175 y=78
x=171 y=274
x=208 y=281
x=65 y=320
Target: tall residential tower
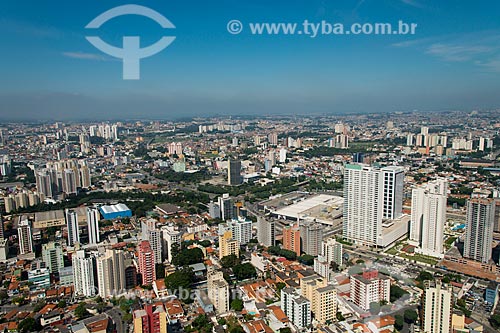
x=428 y=217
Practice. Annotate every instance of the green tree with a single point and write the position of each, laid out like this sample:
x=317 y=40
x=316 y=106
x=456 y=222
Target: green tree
x=179 y=280
x=396 y=293
x=20 y=300
x=279 y=286
x=244 y=271
x=81 y=311
x=399 y=323
x=230 y=261
x=339 y=316
x=410 y=316
x=160 y=271
x=285 y=330
x=38 y=306
x=495 y=321
x=28 y=325
x=277 y=251
x=334 y=266
x=188 y=257
x=425 y=276
x=202 y=324
x=205 y=243
x=237 y=329
x=237 y=304
x=127 y=317
x=101 y=307
x=61 y=304
x=200 y=321
x=306 y=259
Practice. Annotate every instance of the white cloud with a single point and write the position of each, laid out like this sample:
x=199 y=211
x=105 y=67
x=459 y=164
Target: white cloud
x=481 y=48
x=413 y=3
x=492 y=65
x=453 y=52
x=85 y=56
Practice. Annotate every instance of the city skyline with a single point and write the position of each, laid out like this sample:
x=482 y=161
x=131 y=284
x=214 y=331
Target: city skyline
x=52 y=72
x=305 y=166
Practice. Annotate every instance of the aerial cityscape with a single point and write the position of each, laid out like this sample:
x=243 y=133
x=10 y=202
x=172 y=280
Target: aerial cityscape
x=250 y=166
x=356 y=223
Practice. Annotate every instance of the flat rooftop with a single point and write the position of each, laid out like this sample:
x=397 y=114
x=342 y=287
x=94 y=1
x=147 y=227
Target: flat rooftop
x=323 y=208
x=114 y=208
x=49 y=216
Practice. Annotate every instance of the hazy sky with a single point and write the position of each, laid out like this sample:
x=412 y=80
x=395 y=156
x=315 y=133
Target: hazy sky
x=50 y=71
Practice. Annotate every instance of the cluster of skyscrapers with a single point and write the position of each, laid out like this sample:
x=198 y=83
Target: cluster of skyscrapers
x=106 y=131
x=62 y=177
x=99 y=272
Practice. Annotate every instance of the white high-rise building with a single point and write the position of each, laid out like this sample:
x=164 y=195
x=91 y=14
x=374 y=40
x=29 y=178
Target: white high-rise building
x=70 y=181
x=296 y=307
x=83 y=274
x=218 y=291
x=93 y=130
x=266 y=231
x=410 y=138
x=428 y=217
x=282 y=157
x=153 y=235
x=370 y=196
x=214 y=210
x=175 y=148
x=341 y=128
x=369 y=287
x=114 y=132
x=480 y=225
x=72 y=226
x=331 y=252
x=93 y=217
x=44 y=182
x=5 y=165
x=111 y=273
x=341 y=141
x=241 y=229
x=362 y=212
x=393 y=177
x=85 y=178
x=170 y=235
x=311 y=236
x=52 y=256
x=24 y=235
x=273 y=138
x=437 y=307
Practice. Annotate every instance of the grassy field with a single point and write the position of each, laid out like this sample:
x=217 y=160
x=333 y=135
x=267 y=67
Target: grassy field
x=450 y=240
x=392 y=250
x=416 y=256
x=420 y=258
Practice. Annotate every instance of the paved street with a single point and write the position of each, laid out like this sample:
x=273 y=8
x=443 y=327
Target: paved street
x=116 y=316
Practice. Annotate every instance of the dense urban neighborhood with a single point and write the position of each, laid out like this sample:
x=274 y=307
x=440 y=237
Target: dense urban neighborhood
x=359 y=223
